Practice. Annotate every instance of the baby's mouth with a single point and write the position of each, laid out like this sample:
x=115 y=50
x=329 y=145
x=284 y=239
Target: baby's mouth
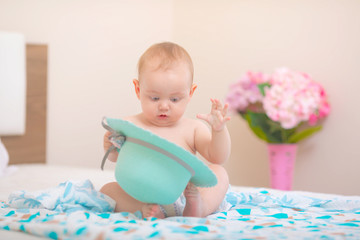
x=162 y=116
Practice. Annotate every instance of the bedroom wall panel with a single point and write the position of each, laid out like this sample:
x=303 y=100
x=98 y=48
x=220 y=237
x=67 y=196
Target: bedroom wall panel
x=31 y=147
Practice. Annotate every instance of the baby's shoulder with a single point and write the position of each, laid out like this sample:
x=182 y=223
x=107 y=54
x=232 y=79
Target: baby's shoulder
x=135 y=119
x=194 y=124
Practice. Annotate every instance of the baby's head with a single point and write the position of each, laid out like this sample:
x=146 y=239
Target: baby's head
x=165 y=83
x=164 y=56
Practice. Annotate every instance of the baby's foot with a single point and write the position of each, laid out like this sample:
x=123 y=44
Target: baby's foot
x=193 y=207
x=152 y=210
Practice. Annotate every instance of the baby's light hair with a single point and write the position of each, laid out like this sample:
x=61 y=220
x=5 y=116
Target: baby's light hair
x=165 y=54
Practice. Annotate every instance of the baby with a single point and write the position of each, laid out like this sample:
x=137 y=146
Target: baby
x=165 y=87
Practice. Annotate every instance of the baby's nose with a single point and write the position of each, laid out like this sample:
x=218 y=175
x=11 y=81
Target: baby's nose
x=163 y=105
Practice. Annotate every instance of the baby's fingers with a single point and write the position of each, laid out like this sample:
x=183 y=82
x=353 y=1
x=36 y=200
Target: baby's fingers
x=216 y=103
x=227 y=118
x=107 y=142
x=202 y=116
x=106 y=135
x=213 y=104
x=225 y=109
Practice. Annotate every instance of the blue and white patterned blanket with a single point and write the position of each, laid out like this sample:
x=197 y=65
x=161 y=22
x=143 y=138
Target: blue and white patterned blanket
x=76 y=210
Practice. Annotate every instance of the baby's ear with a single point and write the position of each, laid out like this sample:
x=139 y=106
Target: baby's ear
x=192 y=89
x=137 y=87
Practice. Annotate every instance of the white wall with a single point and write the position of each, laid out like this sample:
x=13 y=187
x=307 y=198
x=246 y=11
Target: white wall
x=93 y=51
x=228 y=38
x=94 y=47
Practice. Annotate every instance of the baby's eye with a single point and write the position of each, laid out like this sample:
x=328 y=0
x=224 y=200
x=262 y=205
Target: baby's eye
x=154 y=98
x=174 y=99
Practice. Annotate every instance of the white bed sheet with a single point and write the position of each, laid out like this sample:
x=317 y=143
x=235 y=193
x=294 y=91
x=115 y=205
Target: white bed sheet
x=32 y=177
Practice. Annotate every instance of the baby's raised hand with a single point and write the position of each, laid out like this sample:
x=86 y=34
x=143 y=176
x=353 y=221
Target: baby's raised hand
x=217 y=117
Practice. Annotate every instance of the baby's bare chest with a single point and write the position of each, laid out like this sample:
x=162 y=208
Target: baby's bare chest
x=180 y=136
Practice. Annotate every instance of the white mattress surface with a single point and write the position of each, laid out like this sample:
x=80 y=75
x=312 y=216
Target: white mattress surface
x=33 y=177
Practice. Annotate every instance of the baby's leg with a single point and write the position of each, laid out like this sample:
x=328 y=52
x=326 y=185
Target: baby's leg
x=152 y=210
x=193 y=207
x=126 y=203
x=201 y=202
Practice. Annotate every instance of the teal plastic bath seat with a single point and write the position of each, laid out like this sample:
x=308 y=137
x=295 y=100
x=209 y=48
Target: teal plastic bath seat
x=153 y=170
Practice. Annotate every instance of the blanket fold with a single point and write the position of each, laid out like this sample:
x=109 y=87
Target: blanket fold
x=68 y=196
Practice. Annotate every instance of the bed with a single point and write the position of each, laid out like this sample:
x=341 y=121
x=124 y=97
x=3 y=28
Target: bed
x=255 y=213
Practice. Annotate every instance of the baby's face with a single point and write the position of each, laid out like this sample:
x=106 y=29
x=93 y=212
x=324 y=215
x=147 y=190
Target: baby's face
x=165 y=93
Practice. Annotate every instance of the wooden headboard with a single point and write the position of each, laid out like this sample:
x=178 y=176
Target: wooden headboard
x=31 y=147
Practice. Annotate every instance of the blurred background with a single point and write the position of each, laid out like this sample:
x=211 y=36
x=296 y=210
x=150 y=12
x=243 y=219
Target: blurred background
x=93 y=48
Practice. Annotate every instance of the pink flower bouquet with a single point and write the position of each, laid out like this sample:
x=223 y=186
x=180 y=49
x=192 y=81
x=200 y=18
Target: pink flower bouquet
x=283 y=107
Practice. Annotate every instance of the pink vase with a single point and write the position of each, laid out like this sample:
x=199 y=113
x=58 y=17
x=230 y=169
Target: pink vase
x=282 y=162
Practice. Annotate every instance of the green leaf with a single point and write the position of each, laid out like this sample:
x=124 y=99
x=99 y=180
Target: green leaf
x=274 y=126
x=257 y=130
x=296 y=137
x=277 y=129
x=262 y=87
x=259 y=124
x=272 y=132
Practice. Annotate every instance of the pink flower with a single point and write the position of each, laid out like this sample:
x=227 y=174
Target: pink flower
x=245 y=91
x=288 y=98
x=292 y=98
x=323 y=110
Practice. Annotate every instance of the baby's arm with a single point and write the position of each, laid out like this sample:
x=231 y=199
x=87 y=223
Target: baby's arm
x=214 y=146
x=107 y=144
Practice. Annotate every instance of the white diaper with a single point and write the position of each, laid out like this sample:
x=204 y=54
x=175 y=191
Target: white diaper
x=177 y=208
